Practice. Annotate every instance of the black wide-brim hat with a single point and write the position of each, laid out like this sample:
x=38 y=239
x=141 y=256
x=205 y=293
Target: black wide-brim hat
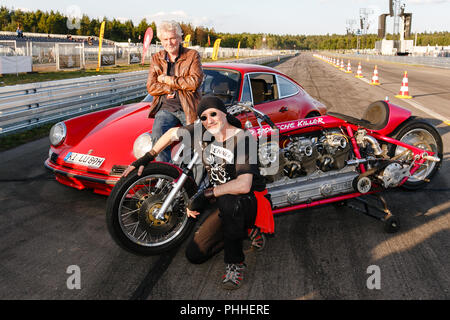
x=208 y=102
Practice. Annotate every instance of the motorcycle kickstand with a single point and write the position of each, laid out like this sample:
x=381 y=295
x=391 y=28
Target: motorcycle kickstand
x=391 y=222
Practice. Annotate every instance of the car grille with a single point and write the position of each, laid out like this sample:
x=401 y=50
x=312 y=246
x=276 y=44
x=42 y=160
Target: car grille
x=117 y=170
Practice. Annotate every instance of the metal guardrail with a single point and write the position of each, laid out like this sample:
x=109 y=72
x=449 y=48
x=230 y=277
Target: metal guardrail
x=261 y=60
x=30 y=105
x=438 y=62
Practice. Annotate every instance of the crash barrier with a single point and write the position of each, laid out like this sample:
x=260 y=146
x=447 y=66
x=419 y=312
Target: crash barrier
x=29 y=105
x=439 y=62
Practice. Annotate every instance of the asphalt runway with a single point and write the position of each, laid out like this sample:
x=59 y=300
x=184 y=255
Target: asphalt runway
x=323 y=253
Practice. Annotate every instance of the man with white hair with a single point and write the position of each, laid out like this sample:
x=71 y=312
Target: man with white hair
x=174 y=81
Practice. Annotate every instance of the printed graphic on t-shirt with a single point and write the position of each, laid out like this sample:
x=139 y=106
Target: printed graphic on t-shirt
x=218 y=174
x=223 y=153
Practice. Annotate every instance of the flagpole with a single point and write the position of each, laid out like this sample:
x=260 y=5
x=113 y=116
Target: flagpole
x=100 y=41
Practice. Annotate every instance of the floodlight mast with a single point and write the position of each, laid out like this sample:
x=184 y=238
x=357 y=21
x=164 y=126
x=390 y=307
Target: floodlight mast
x=398 y=8
x=401 y=25
x=364 y=19
x=350 y=29
x=350 y=23
x=402 y=20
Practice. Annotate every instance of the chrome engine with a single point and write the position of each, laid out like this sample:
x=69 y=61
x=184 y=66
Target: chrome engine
x=315 y=186
x=307 y=168
x=302 y=155
x=321 y=166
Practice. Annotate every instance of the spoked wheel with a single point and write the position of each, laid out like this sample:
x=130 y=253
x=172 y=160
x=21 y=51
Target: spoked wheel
x=132 y=211
x=420 y=134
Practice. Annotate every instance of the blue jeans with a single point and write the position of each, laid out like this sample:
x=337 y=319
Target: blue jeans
x=164 y=120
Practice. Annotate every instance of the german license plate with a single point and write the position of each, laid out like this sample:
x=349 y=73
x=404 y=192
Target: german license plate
x=84 y=159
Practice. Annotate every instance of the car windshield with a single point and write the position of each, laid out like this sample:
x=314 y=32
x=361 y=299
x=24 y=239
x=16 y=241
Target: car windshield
x=223 y=83
x=148 y=98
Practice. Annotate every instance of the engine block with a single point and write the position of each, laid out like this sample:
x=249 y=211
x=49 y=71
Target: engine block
x=316 y=186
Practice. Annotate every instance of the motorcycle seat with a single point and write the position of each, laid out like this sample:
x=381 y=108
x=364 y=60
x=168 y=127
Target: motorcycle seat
x=375 y=117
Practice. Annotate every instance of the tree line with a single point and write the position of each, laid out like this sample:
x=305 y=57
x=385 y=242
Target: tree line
x=122 y=31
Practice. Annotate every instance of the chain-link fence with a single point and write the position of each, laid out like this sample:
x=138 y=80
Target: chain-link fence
x=69 y=56
x=53 y=55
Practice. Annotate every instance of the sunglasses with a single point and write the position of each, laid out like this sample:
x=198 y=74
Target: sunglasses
x=212 y=115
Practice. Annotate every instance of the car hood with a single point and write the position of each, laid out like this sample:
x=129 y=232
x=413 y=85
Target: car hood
x=113 y=137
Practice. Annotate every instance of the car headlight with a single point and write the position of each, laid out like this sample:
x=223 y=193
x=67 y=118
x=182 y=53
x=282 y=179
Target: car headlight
x=57 y=134
x=142 y=144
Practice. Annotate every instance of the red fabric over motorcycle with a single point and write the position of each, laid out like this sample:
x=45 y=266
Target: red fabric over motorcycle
x=264 y=216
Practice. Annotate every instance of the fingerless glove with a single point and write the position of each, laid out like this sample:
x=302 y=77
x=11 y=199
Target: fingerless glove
x=145 y=159
x=199 y=201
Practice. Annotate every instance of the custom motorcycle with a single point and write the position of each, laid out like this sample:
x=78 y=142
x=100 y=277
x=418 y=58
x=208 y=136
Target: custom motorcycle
x=306 y=162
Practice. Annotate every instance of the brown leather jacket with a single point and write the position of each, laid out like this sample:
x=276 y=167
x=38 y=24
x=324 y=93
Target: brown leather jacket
x=187 y=80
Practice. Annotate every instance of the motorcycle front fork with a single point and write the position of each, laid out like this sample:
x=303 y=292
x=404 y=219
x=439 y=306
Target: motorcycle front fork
x=159 y=214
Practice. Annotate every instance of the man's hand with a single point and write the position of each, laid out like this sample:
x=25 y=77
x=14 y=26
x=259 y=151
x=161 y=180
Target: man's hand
x=140 y=163
x=161 y=78
x=200 y=200
x=192 y=214
x=131 y=168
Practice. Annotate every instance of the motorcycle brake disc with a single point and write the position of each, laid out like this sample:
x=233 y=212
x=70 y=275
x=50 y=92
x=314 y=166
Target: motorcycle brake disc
x=147 y=212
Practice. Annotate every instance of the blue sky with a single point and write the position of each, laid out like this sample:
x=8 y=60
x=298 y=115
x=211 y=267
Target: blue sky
x=254 y=16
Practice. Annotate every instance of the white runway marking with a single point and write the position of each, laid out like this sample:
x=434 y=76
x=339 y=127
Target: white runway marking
x=428 y=111
x=413 y=103
x=420 y=107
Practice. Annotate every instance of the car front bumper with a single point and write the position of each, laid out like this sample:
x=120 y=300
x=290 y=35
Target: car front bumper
x=101 y=184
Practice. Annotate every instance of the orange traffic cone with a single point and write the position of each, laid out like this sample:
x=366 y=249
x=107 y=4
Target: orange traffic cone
x=337 y=64
x=359 y=71
x=375 y=80
x=404 y=91
x=342 y=65
x=349 y=68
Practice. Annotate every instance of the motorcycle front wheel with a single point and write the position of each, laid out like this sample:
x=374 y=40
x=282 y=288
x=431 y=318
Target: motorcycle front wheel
x=421 y=134
x=131 y=206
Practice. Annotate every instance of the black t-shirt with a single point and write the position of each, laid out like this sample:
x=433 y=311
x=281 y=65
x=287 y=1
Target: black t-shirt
x=226 y=160
x=171 y=102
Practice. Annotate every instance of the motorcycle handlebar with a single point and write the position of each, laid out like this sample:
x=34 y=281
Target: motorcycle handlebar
x=258 y=114
x=269 y=122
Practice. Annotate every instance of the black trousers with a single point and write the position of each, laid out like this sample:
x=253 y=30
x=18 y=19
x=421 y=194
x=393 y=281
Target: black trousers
x=223 y=226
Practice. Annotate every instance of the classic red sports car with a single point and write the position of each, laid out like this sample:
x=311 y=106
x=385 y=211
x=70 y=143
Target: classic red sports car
x=92 y=150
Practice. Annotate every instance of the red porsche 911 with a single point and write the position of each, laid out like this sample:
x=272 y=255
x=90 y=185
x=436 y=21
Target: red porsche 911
x=92 y=150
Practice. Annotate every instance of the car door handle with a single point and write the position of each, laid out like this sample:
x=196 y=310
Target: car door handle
x=283 y=109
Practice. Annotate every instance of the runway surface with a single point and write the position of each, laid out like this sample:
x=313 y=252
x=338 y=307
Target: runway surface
x=320 y=253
